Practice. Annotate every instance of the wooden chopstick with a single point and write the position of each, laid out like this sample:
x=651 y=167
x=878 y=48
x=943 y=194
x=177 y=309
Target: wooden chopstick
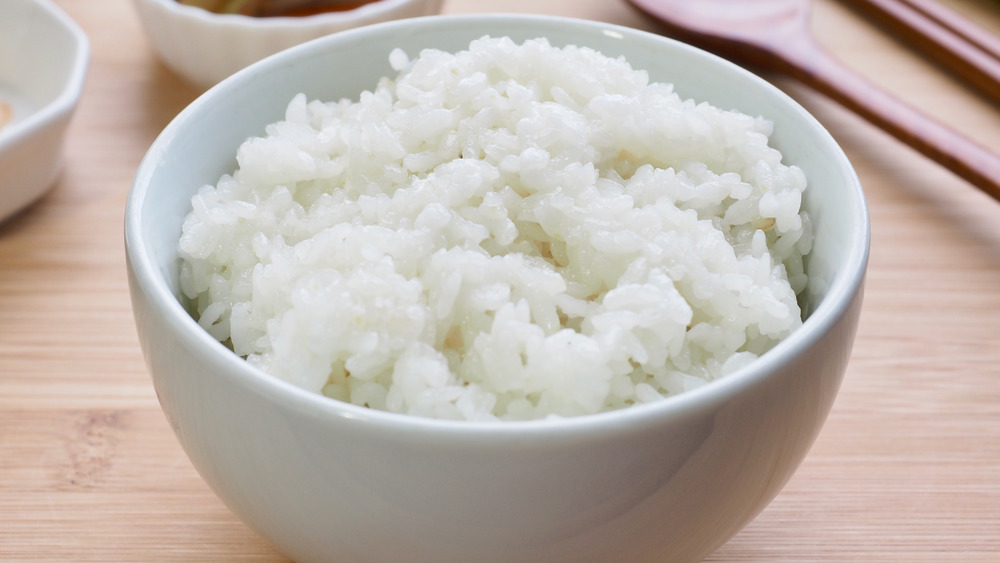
x=957 y=44
x=985 y=41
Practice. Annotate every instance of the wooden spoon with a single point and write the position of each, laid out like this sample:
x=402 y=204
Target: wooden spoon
x=774 y=35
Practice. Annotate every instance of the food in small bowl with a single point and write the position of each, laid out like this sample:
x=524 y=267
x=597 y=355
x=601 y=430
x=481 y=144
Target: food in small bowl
x=316 y=174
x=43 y=64
x=276 y=8
x=204 y=46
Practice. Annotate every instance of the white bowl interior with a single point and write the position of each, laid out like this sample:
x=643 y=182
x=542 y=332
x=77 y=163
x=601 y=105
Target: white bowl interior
x=40 y=55
x=200 y=145
x=43 y=64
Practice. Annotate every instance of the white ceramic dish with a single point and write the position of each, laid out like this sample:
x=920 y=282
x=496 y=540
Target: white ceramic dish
x=43 y=64
x=323 y=480
x=203 y=47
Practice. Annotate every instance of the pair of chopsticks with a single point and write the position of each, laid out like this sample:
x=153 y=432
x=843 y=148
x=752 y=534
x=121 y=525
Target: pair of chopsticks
x=944 y=36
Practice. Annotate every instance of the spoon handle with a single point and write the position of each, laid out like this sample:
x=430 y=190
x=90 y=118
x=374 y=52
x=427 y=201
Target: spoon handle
x=809 y=63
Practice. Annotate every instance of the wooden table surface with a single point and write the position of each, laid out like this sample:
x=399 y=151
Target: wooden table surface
x=906 y=469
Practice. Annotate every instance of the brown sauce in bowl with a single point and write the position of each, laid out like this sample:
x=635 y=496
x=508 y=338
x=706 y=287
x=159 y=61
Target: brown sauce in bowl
x=276 y=8
x=6 y=114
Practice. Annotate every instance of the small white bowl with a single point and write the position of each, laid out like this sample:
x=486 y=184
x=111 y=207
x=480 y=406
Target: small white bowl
x=203 y=47
x=329 y=481
x=43 y=64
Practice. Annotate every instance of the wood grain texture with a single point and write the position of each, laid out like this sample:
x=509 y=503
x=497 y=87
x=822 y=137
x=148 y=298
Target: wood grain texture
x=907 y=467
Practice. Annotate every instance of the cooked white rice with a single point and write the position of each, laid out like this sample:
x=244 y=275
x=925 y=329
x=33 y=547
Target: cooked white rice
x=509 y=232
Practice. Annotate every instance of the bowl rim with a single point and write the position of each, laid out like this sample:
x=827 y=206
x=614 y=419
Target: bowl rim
x=72 y=83
x=843 y=290
x=205 y=17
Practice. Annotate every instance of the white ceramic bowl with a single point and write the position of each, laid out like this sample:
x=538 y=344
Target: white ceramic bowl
x=204 y=47
x=43 y=64
x=324 y=480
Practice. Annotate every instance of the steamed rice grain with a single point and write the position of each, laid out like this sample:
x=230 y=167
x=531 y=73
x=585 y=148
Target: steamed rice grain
x=510 y=232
